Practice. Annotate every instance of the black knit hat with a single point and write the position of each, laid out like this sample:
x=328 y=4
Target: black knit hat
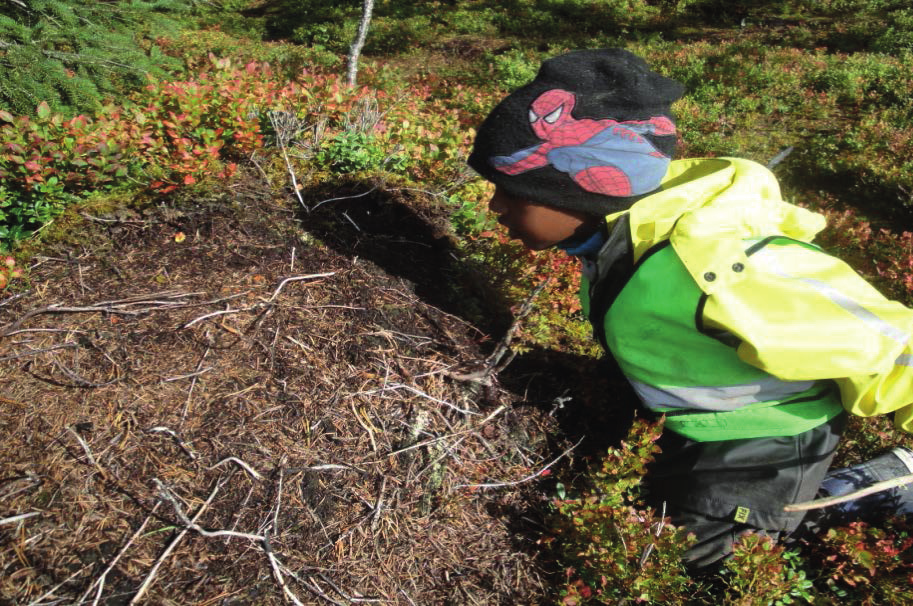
x=593 y=132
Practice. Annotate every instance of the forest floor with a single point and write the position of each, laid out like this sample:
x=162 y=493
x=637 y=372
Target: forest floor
x=294 y=383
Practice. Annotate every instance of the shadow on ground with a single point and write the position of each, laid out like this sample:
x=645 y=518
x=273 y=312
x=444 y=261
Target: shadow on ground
x=589 y=399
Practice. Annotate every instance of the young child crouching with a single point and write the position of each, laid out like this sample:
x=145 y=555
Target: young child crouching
x=703 y=285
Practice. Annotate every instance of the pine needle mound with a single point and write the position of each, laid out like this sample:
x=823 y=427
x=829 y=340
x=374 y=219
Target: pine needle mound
x=246 y=415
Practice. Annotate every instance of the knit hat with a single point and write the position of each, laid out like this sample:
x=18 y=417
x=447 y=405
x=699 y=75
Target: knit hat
x=593 y=132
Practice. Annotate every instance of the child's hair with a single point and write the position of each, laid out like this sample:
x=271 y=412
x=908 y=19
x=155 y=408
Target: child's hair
x=593 y=132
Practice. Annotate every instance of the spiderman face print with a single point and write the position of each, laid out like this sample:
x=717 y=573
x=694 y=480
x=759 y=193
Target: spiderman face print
x=602 y=156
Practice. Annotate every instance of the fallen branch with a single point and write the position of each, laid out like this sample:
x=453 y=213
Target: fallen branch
x=493 y=364
x=171 y=547
x=100 y=581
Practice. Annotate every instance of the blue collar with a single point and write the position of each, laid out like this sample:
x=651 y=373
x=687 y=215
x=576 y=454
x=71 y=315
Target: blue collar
x=588 y=247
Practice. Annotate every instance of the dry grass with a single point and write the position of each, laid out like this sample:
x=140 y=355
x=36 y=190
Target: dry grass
x=226 y=421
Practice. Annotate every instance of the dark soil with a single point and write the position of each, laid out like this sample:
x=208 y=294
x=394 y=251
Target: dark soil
x=292 y=377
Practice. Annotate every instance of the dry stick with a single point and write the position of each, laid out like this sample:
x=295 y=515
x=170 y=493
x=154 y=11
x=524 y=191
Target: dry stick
x=493 y=363
x=527 y=478
x=295 y=279
x=108 y=307
x=88 y=452
x=56 y=309
x=188 y=376
x=240 y=463
x=81 y=381
x=214 y=314
x=34 y=352
x=288 y=165
x=418 y=392
x=278 y=500
x=309 y=584
x=852 y=496
x=181 y=444
x=193 y=384
x=19 y=518
x=171 y=547
x=496 y=412
x=263 y=540
x=322 y=202
x=100 y=581
x=378 y=506
x=51 y=591
x=270 y=300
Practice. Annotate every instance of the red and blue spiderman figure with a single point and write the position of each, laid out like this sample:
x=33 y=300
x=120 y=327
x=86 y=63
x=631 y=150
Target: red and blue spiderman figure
x=602 y=156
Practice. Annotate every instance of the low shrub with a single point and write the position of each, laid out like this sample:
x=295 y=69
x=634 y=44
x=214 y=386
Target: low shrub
x=611 y=547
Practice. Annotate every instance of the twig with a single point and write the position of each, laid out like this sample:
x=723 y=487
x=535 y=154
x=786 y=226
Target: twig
x=263 y=540
x=188 y=376
x=852 y=496
x=295 y=279
x=171 y=547
x=88 y=452
x=527 y=478
x=322 y=202
x=100 y=581
x=497 y=411
x=241 y=464
x=50 y=592
x=418 y=392
x=177 y=440
x=19 y=518
x=80 y=381
x=288 y=164
x=325 y=467
x=274 y=566
x=364 y=426
x=493 y=364
x=56 y=309
x=378 y=506
x=193 y=384
x=354 y=224
x=278 y=501
x=214 y=314
x=34 y=352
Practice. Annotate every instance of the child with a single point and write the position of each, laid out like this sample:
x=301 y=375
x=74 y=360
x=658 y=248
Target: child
x=702 y=284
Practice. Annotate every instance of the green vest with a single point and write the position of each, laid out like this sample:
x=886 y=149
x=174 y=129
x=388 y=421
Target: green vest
x=654 y=330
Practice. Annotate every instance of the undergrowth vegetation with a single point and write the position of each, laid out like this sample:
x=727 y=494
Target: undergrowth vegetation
x=828 y=79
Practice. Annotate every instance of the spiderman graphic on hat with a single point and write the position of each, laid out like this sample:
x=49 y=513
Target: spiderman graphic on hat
x=602 y=156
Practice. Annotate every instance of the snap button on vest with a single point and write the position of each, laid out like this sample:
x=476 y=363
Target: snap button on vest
x=710 y=276
x=737 y=267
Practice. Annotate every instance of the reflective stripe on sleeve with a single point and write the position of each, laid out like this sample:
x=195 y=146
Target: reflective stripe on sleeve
x=718 y=399
x=766 y=258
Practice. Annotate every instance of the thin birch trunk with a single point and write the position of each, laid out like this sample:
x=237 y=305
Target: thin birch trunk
x=359 y=42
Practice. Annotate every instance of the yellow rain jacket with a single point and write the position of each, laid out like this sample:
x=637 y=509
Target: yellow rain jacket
x=798 y=313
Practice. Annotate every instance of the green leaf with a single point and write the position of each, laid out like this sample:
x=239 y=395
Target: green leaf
x=560 y=490
x=4 y=115
x=43 y=110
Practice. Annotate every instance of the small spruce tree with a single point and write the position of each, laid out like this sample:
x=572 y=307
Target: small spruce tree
x=72 y=54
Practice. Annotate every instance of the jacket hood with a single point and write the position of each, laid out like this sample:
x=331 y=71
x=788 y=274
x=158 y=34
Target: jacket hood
x=708 y=207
